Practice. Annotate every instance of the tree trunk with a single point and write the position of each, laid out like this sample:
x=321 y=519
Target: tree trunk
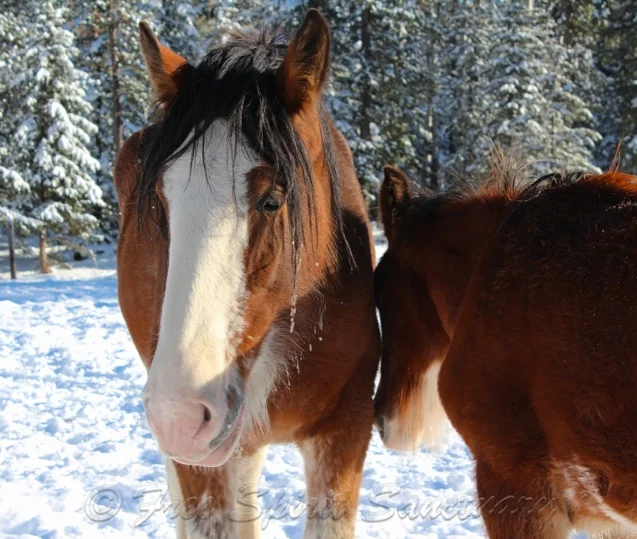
x=432 y=89
x=366 y=92
x=117 y=106
x=44 y=261
x=435 y=158
x=12 y=264
x=568 y=24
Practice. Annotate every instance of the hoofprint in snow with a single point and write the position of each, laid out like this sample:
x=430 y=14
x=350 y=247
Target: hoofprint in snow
x=78 y=460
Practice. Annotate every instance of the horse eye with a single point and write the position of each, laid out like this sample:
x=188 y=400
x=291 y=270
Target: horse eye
x=270 y=203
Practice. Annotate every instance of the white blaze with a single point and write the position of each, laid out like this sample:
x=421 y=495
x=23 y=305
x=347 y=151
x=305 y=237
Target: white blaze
x=205 y=285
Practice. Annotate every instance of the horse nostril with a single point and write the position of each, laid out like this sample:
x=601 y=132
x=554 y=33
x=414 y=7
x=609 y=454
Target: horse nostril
x=206 y=414
x=234 y=398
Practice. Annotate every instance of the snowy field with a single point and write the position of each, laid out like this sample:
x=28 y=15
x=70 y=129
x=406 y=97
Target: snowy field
x=77 y=459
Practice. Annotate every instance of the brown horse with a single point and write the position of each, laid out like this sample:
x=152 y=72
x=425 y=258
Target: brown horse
x=513 y=306
x=245 y=269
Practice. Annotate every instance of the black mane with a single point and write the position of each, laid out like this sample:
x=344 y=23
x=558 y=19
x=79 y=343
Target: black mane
x=236 y=81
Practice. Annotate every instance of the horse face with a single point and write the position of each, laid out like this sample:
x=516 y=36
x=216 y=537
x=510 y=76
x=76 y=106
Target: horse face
x=407 y=406
x=230 y=281
x=219 y=261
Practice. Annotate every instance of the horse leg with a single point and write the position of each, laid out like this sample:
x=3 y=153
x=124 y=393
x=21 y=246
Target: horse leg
x=333 y=474
x=176 y=499
x=248 y=513
x=524 y=510
x=208 y=496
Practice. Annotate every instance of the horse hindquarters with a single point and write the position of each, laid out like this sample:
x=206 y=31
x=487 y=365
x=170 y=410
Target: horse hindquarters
x=541 y=427
x=485 y=395
x=515 y=495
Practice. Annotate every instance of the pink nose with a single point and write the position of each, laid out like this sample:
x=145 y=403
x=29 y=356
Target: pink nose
x=183 y=428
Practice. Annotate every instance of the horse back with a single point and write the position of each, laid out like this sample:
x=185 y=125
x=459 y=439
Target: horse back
x=543 y=363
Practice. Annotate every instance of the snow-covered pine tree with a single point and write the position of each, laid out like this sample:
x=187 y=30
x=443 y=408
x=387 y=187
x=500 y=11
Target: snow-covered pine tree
x=13 y=191
x=11 y=183
x=218 y=19
x=92 y=34
x=177 y=28
x=404 y=61
x=107 y=35
x=426 y=49
x=381 y=87
x=13 y=188
x=48 y=148
x=577 y=100
x=129 y=65
x=545 y=110
x=349 y=93
x=468 y=39
x=10 y=42
x=518 y=89
x=618 y=58
x=580 y=23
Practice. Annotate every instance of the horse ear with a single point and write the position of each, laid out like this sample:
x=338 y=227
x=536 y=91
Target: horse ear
x=303 y=73
x=394 y=193
x=163 y=65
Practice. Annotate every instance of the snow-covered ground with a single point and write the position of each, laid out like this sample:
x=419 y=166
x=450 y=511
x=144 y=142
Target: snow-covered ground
x=77 y=459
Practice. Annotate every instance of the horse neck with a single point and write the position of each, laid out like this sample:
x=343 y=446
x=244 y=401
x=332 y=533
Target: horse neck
x=454 y=246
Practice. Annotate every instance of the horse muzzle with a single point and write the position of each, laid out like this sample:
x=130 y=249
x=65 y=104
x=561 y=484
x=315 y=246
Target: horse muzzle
x=197 y=432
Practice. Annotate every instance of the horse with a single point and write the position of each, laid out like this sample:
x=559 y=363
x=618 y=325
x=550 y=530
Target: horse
x=245 y=278
x=507 y=306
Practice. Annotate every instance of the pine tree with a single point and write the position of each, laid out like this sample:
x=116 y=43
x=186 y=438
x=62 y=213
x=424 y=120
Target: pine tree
x=382 y=91
x=118 y=89
x=178 y=30
x=108 y=34
x=578 y=20
x=92 y=33
x=618 y=59
x=404 y=83
x=13 y=191
x=515 y=86
x=49 y=146
x=13 y=188
x=465 y=49
x=135 y=88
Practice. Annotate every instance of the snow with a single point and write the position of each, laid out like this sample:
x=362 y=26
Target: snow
x=74 y=441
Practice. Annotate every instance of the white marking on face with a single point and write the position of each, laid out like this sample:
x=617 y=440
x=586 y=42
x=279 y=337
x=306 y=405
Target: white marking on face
x=205 y=285
x=426 y=418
